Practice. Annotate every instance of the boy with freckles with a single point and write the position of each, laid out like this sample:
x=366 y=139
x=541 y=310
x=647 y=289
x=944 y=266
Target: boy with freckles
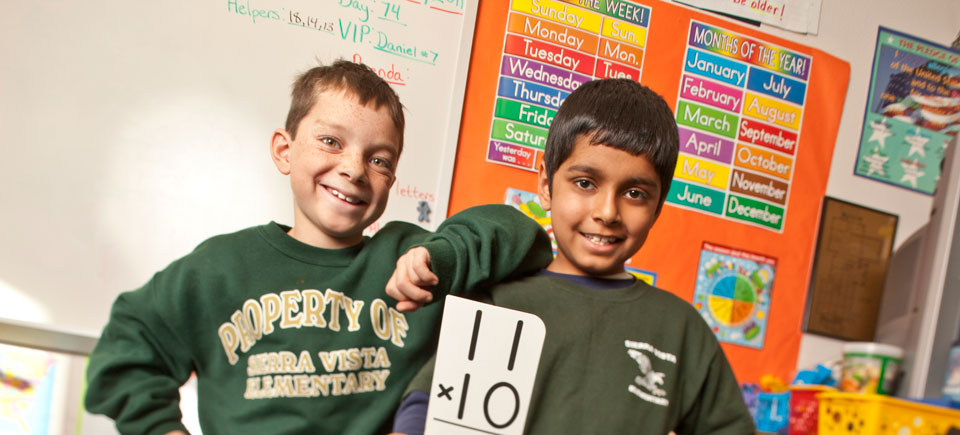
x=287 y=328
x=620 y=356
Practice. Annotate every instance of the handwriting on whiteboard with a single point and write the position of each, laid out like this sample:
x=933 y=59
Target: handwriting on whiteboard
x=378 y=24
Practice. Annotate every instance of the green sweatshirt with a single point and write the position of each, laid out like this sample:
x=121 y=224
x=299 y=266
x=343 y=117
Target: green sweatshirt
x=287 y=338
x=634 y=360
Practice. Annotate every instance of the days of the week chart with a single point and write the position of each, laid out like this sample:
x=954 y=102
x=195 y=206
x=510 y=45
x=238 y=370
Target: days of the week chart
x=550 y=48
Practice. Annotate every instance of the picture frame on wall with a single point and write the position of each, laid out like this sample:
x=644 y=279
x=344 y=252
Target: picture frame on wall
x=854 y=246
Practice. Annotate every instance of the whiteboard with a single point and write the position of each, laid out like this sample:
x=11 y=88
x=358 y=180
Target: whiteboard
x=134 y=131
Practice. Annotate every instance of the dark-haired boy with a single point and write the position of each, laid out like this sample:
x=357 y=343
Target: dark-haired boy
x=620 y=356
x=287 y=328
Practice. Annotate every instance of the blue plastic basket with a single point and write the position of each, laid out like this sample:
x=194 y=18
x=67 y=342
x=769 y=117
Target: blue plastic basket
x=773 y=412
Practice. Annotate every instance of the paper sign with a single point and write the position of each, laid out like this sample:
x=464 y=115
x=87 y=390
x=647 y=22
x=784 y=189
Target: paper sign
x=487 y=360
x=801 y=16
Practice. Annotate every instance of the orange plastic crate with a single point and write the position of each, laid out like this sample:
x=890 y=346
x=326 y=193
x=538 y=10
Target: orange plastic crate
x=854 y=413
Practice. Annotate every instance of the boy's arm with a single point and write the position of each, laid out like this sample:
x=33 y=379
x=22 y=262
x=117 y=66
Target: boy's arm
x=134 y=374
x=719 y=407
x=410 y=279
x=411 y=416
x=481 y=246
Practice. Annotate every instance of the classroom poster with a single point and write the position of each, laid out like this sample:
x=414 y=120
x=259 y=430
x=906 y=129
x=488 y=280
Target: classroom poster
x=802 y=16
x=26 y=390
x=739 y=114
x=913 y=111
x=733 y=293
x=758 y=128
x=550 y=49
x=529 y=204
x=643 y=275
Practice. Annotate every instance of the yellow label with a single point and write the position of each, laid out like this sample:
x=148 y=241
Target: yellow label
x=702 y=171
x=625 y=32
x=560 y=13
x=772 y=111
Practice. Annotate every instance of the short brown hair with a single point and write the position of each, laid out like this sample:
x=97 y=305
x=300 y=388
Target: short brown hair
x=356 y=78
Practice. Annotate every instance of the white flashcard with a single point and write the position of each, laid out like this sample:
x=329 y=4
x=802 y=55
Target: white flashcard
x=487 y=360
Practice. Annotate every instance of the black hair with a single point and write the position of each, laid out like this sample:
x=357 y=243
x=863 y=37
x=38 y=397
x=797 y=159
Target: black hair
x=618 y=113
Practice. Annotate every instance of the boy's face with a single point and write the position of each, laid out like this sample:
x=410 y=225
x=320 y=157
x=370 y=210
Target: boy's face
x=602 y=204
x=341 y=166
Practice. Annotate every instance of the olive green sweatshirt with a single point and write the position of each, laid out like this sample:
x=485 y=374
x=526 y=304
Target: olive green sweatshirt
x=287 y=338
x=632 y=360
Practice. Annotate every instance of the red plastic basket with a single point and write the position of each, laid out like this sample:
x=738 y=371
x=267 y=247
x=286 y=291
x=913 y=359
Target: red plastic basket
x=804 y=408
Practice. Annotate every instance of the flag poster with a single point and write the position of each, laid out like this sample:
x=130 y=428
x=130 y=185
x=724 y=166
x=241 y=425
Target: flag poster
x=912 y=111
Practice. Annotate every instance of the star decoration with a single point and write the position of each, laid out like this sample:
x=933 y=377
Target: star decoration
x=880 y=132
x=876 y=162
x=917 y=141
x=911 y=171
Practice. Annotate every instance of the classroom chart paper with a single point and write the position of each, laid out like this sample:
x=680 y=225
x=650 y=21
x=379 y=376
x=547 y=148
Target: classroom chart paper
x=739 y=113
x=785 y=139
x=550 y=49
x=27 y=390
x=802 y=16
x=733 y=293
x=913 y=111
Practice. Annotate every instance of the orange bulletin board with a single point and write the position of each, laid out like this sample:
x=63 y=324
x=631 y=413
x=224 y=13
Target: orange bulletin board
x=659 y=43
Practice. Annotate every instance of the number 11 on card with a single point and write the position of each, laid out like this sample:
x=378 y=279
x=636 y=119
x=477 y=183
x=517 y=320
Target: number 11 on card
x=487 y=360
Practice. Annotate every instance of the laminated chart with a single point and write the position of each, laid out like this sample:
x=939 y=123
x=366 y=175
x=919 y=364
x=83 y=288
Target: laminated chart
x=529 y=204
x=739 y=111
x=27 y=390
x=913 y=111
x=733 y=293
x=643 y=275
x=550 y=48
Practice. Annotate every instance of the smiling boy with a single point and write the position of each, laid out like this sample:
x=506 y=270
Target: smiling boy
x=340 y=175
x=286 y=328
x=620 y=356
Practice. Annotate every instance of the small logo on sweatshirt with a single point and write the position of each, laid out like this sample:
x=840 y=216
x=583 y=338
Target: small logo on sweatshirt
x=648 y=385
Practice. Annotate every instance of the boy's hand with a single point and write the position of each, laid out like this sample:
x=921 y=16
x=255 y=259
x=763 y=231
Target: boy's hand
x=412 y=274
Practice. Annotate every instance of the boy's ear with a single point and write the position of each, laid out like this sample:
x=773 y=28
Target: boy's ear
x=280 y=150
x=543 y=187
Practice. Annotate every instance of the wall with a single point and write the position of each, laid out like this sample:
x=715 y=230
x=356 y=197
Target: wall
x=848 y=30
x=133 y=133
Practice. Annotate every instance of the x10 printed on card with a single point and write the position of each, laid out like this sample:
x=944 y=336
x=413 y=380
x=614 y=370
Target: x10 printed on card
x=487 y=360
